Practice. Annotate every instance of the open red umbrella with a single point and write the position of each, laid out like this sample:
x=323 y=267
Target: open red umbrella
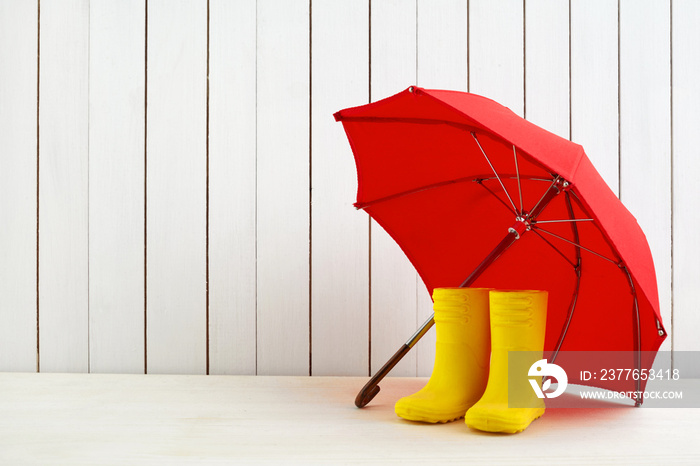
x=477 y=196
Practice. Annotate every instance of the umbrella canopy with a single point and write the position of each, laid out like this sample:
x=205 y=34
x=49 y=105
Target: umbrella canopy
x=459 y=181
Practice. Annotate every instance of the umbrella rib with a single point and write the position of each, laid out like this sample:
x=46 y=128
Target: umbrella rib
x=637 y=335
x=362 y=205
x=578 y=202
x=569 y=316
x=563 y=220
x=575 y=244
x=555 y=248
x=514 y=177
x=477 y=179
x=515 y=210
x=577 y=269
x=494 y=194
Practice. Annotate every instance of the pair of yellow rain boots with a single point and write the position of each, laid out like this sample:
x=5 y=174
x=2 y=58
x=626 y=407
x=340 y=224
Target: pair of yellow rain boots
x=475 y=330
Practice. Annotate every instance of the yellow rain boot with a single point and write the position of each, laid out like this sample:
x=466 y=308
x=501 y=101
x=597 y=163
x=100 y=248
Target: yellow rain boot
x=518 y=320
x=461 y=364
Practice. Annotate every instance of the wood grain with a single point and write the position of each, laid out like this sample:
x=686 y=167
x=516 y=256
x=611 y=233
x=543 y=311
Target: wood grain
x=18 y=185
x=547 y=65
x=283 y=187
x=56 y=419
x=340 y=234
x=117 y=176
x=176 y=186
x=232 y=187
x=496 y=61
x=63 y=186
x=594 y=85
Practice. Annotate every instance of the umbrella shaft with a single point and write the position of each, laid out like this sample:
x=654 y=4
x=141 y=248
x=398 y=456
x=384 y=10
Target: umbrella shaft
x=505 y=243
x=421 y=331
x=500 y=248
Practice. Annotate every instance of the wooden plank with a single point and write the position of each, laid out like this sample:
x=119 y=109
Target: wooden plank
x=340 y=234
x=18 y=139
x=547 y=65
x=686 y=172
x=594 y=84
x=176 y=186
x=116 y=213
x=63 y=186
x=645 y=131
x=442 y=62
x=496 y=52
x=393 y=282
x=442 y=44
x=283 y=187
x=58 y=419
x=232 y=181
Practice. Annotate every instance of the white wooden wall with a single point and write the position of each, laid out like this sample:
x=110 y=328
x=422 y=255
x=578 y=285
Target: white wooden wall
x=175 y=196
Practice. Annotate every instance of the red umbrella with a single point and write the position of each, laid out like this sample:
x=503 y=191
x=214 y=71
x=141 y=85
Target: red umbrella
x=476 y=195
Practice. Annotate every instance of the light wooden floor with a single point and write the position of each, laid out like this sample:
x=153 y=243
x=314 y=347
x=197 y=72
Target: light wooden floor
x=169 y=420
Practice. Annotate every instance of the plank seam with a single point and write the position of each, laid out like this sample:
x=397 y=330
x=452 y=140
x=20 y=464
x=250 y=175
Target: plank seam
x=468 y=46
x=570 y=111
x=524 y=60
x=145 y=194
x=89 y=326
x=619 y=112
x=38 y=88
x=310 y=194
x=670 y=15
x=369 y=219
x=206 y=246
x=256 y=188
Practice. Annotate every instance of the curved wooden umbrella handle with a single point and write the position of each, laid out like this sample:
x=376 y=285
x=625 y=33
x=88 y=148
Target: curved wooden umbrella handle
x=371 y=388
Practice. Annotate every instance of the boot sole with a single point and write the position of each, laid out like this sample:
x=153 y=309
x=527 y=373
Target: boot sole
x=430 y=420
x=429 y=417
x=500 y=424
